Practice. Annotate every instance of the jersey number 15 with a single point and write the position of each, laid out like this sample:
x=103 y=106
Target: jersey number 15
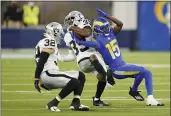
x=113 y=49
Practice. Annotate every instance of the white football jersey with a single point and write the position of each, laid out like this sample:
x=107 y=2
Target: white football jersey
x=52 y=60
x=80 y=51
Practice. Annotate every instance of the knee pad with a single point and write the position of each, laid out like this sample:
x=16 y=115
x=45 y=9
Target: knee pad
x=81 y=77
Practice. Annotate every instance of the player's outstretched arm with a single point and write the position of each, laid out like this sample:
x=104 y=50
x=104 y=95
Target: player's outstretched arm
x=117 y=28
x=88 y=43
x=44 y=55
x=83 y=32
x=118 y=23
x=69 y=57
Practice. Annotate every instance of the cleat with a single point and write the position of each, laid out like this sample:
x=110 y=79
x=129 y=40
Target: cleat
x=153 y=102
x=80 y=108
x=52 y=106
x=99 y=103
x=136 y=95
x=77 y=106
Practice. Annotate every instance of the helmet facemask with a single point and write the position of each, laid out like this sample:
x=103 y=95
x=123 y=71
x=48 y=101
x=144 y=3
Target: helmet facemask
x=74 y=18
x=55 y=31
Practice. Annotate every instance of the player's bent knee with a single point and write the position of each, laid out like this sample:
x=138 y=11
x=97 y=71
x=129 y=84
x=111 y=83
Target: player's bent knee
x=81 y=77
x=146 y=72
x=101 y=77
x=75 y=82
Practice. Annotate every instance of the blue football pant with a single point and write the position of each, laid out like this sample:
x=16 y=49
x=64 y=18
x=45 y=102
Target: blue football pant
x=137 y=72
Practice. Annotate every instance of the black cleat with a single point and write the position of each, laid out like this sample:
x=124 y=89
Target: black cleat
x=136 y=95
x=99 y=103
x=52 y=106
x=76 y=106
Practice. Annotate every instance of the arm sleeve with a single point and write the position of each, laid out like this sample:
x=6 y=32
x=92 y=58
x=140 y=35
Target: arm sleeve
x=40 y=65
x=88 y=43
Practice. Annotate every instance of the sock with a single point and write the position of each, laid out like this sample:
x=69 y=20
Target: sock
x=137 y=81
x=76 y=101
x=77 y=96
x=79 y=89
x=71 y=85
x=100 y=88
x=58 y=98
x=148 y=82
x=55 y=102
x=150 y=97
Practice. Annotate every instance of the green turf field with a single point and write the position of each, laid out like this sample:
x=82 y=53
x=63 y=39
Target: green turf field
x=19 y=98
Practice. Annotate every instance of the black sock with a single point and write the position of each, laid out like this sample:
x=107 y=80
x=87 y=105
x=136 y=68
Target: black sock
x=54 y=102
x=71 y=86
x=100 y=88
x=99 y=68
x=79 y=89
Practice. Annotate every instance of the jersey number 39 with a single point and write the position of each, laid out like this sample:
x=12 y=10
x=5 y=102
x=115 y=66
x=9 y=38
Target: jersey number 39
x=113 y=49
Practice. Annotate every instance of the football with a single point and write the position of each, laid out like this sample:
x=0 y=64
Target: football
x=79 y=36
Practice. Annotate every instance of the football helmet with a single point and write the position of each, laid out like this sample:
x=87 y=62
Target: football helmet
x=101 y=26
x=74 y=18
x=55 y=31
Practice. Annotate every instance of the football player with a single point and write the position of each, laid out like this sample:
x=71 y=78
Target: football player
x=87 y=58
x=107 y=46
x=47 y=74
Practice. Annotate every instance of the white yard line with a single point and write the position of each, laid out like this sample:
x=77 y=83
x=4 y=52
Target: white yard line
x=98 y=108
x=21 y=91
x=90 y=84
x=83 y=99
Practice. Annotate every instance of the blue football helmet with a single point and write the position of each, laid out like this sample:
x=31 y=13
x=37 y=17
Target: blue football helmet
x=101 y=26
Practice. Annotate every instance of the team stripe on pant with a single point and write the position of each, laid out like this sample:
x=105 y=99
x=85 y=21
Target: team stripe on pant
x=126 y=73
x=58 y=75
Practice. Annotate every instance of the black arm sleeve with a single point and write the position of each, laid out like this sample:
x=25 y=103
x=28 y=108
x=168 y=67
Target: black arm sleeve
x=40 y=65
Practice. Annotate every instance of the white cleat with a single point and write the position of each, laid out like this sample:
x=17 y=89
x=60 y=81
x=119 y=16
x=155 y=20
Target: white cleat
x=80 y=108
x=153 y=102
x=53 y=109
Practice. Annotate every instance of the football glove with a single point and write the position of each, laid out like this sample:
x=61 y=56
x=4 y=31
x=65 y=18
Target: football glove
x=101 y=13
x=36 y=85
x=44 y=87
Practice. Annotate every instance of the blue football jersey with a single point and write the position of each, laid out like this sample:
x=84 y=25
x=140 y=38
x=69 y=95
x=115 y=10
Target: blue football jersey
x=109 y=49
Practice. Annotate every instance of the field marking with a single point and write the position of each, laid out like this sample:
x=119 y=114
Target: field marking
x=83 y=99
x=126 y=108
x=19 y=84
x=21 y=91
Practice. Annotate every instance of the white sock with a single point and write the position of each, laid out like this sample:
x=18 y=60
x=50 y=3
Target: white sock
x=150 y=97
x=77 y=96
x=58 y=98
x=95 y=99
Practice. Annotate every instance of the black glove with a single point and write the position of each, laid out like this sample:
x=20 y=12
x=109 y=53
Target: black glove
x=43 y=86
x=36 y=85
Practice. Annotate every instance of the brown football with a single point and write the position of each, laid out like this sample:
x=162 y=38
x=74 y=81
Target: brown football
x=79 y=36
